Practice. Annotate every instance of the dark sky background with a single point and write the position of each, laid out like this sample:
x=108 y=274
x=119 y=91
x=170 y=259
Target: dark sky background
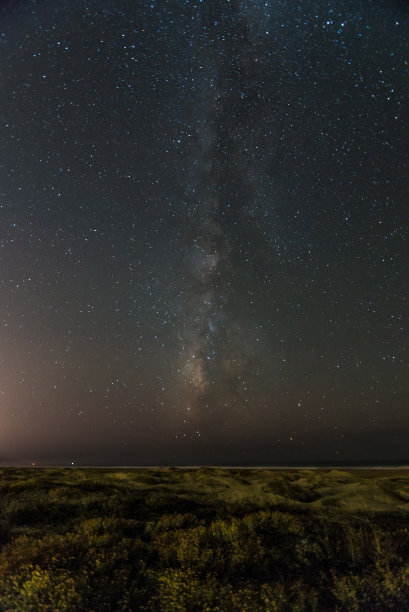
x=204 y=215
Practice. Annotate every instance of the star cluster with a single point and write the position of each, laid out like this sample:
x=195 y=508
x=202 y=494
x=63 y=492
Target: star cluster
x=204 y=231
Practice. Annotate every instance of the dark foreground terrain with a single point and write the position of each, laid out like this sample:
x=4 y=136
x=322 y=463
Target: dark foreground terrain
x=203 y=539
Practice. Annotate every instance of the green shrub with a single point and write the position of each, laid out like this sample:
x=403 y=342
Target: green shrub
x=215 y=540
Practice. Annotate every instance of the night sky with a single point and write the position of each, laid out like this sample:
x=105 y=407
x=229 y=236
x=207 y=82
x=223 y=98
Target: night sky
x=204 y=231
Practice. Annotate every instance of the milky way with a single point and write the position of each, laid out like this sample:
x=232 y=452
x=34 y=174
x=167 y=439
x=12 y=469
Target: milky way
x=220 y=191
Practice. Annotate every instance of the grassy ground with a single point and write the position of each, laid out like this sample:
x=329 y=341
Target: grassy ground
x=203 y=539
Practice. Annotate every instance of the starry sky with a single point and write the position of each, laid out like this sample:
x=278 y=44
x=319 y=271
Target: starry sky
x=204 y=216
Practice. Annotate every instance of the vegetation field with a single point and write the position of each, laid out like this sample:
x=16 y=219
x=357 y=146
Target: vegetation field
x=206 y=539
